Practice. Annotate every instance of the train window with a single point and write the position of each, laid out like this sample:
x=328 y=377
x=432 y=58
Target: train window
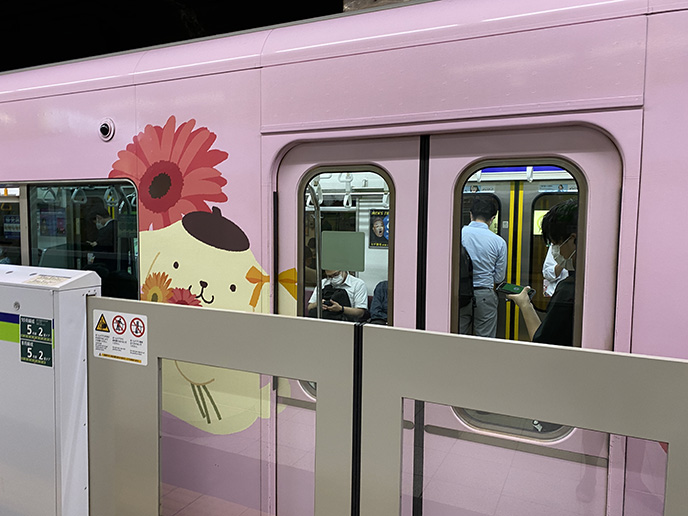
x=511 y=201
x=10 y=226
x=90 y=226
x=346 y=244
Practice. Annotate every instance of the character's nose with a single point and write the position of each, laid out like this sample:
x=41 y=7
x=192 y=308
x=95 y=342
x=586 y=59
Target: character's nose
x=203 y=284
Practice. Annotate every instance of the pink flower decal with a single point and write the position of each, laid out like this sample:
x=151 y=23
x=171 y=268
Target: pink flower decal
x=182 y=296
x=174 y=170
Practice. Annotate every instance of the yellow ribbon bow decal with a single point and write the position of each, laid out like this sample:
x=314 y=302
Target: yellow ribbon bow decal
x=288 y=280
x=258 y=279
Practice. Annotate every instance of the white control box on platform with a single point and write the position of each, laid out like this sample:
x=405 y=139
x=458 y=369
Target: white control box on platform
x=43 y=391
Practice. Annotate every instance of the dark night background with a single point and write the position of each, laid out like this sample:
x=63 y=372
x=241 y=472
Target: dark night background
x=34 y=33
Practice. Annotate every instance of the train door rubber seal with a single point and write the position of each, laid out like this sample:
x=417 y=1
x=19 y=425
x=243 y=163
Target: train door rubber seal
x=421 y=307
x=356 y=420
x=275 y=252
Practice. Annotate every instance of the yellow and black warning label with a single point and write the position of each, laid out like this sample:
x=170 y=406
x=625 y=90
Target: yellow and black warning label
x=102 y=324
x=120 y=336
x=117 y=357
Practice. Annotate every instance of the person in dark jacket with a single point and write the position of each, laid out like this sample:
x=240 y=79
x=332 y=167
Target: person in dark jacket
x=559 y=228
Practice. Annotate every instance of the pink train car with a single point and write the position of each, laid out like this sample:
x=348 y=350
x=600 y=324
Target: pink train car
x=222 y=164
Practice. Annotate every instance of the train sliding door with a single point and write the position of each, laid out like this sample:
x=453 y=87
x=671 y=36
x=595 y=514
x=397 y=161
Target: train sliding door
x=343 y=208
x=356 y=201
x=527 y=465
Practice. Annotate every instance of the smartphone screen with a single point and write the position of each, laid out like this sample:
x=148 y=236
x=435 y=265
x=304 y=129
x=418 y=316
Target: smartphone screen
x=510 y=288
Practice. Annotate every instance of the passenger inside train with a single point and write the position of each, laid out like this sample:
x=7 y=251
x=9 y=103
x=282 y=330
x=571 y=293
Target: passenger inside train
x=104 y=244
x=346 y=245
x=559 y=228
x=552 y=274
x=488 y=255
x=378 y=307
x=343 y=297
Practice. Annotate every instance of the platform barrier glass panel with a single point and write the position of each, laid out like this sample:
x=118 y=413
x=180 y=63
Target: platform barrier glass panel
x=295 y=447
x=470 y=472
x=606 y=453
x=645 y=482
x=451 y=468
x=215 y=413
x=217 y=454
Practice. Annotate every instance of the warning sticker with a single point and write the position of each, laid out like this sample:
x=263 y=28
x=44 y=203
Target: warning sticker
x=122 y=337
x=102 y=324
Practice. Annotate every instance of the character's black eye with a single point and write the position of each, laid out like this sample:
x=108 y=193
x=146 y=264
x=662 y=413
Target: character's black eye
x=232 y=287
x=175 y=265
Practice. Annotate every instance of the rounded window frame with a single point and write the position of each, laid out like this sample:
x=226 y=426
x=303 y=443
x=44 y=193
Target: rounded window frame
x=301 y=193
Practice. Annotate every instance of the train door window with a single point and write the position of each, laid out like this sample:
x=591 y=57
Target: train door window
x=519 y=196
x=10 y=227
x=87 y=226
x=346 y=244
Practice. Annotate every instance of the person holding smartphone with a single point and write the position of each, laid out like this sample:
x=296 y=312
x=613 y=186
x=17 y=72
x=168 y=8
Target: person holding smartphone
x=354 y=287
x=559 y=228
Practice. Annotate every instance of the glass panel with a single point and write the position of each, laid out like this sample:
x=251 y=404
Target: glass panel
x=10 y=233
x=88 y=227
x=410 y=478
x=512 y=201
x=646 y=466
x=296 y=419
x=347 y=231
x=226 y=436
x=467 y=472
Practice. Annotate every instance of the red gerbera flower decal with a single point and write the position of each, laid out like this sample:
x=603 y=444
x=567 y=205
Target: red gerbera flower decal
x=182 y=296
x=174 y=170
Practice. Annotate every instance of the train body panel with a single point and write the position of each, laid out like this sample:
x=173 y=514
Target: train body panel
x=470 y=78
x=52 y=138
x=664 y=157
x=391 y=117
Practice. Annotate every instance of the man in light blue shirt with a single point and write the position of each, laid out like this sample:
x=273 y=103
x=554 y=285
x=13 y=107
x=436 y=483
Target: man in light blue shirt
x=488 y=253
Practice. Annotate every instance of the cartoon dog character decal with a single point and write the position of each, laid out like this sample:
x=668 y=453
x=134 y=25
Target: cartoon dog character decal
x=205 y=260
x=192 y=255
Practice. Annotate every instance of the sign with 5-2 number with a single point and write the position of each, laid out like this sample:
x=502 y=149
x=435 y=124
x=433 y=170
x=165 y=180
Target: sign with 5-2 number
x=36 y=340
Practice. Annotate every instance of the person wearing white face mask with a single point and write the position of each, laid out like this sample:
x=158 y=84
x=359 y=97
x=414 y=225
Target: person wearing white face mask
x=559 y=229
x=353 y=286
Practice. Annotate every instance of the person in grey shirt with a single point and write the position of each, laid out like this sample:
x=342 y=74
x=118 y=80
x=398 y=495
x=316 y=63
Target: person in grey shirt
x=488 y=253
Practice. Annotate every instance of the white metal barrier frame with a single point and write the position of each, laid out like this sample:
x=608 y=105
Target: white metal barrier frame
x=363 y=374
x=630 y=395
x=124 y=398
